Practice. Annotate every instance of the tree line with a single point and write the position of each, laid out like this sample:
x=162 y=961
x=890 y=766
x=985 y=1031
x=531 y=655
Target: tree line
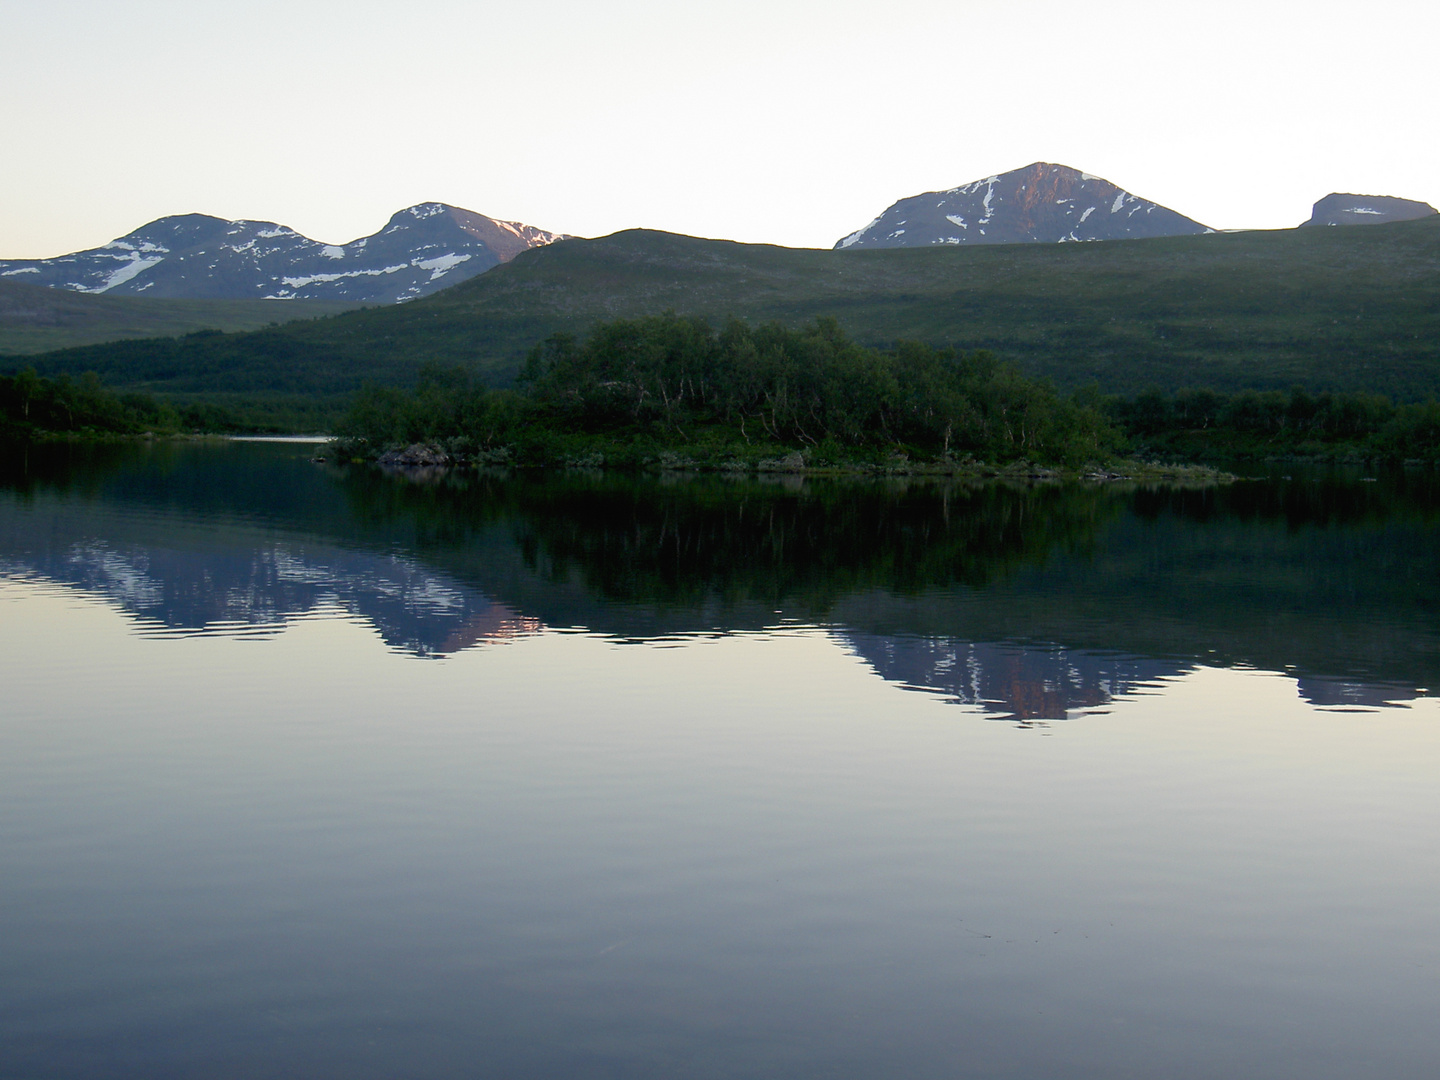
x=669 y=383
x=1204 y=423
x=673 y=388
x=32 y=404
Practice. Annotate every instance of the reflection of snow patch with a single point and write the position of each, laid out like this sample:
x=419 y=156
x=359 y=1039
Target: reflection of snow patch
x=330 y=251
x=22 y=270
x=123 y=575
x=433 y=598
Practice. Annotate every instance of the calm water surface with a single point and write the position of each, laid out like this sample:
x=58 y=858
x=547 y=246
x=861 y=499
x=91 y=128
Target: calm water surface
x=314 y=773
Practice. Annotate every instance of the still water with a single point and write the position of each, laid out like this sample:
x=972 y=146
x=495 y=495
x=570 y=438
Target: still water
x=316 y=773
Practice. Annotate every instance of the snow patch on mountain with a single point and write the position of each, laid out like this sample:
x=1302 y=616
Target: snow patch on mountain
x=421 y=249
x=441 y=264
x=1343 y=208
x=124 y=273
x=1041 y=203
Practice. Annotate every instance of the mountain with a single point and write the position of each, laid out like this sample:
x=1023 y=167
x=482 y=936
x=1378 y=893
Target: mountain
x=1039 y=204
x=1329 y=309
x=1339 y=208
x=195 y=256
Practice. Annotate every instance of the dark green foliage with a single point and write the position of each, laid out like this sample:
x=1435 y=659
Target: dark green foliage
x=1343 y=310
x=640 y=386
x=32 y=405
x=1202 y=424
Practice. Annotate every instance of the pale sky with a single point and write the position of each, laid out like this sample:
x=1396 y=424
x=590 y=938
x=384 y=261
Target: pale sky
x=775 y=121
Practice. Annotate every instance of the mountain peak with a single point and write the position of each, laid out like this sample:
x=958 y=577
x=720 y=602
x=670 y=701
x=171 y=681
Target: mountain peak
x=421 y=249
x=1043 y=202
x=1342 y=208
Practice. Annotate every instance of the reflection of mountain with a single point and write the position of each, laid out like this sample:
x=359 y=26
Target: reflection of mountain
x=1090 y=591
x=1027 y=683
x=184 y=583
x=1033 y=683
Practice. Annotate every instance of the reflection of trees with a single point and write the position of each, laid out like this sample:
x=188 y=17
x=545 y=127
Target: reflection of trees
x=1345 y=497
x=1334 y=579
x=734 y=542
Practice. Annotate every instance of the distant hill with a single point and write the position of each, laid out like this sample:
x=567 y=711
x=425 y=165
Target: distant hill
x=1339 y=309
x=194 y=256
x=35 y=319
x=1339 y=208
x=1041 y=203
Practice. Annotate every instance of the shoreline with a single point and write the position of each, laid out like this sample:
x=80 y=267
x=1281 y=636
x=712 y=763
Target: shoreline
x=426 y=461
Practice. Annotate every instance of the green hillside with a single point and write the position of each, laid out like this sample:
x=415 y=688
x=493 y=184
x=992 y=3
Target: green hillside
x=1332 y=309
x=34 y=319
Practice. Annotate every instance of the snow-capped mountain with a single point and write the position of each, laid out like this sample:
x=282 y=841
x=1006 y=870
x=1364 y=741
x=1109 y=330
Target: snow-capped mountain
x=1340 y=208
x=193 y=256
x=1041 y=203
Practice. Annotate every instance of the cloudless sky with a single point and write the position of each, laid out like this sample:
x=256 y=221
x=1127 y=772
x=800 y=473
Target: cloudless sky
x=778 y=121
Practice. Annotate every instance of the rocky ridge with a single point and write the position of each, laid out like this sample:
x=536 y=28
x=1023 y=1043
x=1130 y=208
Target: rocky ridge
x=1342 y=208
x=1041 y=203
x=195 y=256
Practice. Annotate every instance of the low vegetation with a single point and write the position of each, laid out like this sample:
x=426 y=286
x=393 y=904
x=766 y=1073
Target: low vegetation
x=36 y=319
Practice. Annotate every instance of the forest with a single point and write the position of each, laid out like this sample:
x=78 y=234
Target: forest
x=638 y=390
x=676 y=391
x=32 y=405
x=669 y=388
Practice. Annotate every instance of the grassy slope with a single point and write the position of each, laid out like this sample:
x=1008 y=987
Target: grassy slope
x=1344 y=308
x=35 y=319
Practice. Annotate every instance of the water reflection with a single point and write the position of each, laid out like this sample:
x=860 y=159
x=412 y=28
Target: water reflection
x=1031 y=603
x=179 y=585
x=1028 y=684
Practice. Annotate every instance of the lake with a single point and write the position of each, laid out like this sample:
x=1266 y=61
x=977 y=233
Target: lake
x=315 y=772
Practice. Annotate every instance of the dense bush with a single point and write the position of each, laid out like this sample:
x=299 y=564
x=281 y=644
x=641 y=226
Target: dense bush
x=670 y=382
x=31 y=405
x=1202 y=422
